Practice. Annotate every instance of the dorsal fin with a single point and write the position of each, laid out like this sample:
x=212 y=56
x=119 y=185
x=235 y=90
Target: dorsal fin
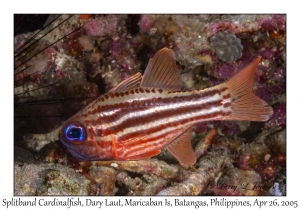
x=130 y=83
x=181 y=148
x=161 y=72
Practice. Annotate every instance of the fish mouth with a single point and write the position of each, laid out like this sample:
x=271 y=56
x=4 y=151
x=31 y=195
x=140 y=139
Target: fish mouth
x=71 y=149
x=77 y=152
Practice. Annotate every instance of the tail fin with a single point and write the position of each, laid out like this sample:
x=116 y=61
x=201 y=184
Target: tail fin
x=244 y=104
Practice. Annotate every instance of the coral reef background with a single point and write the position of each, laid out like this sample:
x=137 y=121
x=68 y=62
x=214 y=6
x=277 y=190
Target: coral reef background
x=76 y=58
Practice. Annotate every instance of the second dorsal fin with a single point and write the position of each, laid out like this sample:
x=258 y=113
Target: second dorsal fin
x=161 y=72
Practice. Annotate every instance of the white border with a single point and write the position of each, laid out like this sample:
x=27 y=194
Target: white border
x=157 y=6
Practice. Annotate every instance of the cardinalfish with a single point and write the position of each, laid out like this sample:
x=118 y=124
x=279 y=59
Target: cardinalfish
x=144 y=114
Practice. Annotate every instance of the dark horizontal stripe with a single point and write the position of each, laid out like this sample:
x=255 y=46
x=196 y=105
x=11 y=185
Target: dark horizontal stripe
x=131 y=151
x=146 y=102
x=127 y=106
x=142 y=120
x=182 y=123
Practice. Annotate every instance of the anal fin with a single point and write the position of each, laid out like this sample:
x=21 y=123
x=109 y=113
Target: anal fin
x=181 y=148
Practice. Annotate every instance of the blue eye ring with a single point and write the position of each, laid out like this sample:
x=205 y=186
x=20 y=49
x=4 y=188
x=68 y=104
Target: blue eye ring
x=75 y=131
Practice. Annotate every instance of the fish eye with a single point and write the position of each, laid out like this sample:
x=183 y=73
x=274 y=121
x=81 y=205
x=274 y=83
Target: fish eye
x=75 y=132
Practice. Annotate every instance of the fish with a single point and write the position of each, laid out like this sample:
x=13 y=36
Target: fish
x=145 y=114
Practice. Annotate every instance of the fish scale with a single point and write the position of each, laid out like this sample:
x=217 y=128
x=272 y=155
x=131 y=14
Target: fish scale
x=167 y=119
x=142 y=115
x=154 y=105
x=177 y=108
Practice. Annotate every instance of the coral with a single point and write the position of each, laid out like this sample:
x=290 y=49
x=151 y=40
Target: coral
x=226 y=46
x=156 y=167
x=225 y=71
x=266 y=155
x=38 y=141
x=49 y=75
x=279 y=116
x=146 y=185
x=146 y=23
x=105 y=179
x=86 y=42
x=49 y=179
x=202 y=146
x=251 y=155
x=101 y=26
x=277 y=142
x=238 y=182
x=197 y=182
x=123 y=53
x=276 y=22
x=23 y=156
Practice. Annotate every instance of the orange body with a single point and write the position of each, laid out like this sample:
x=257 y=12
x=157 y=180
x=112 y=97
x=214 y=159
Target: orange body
x=144 y=114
